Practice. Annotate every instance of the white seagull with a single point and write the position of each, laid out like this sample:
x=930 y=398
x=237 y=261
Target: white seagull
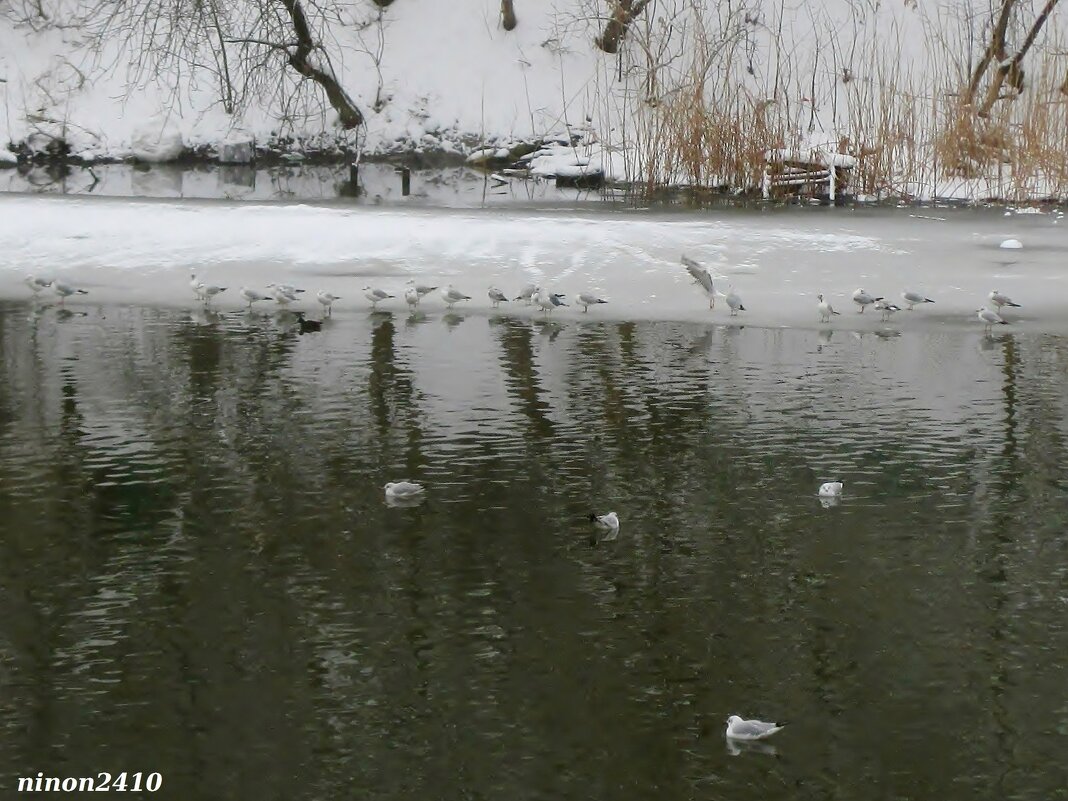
x=253 y=295
x=738 y=729
x=526 y=293
x=863 y=299
x=36 y=283
x=284 y=293
x=1000 y=300
x=66 y=290
x=411 y=297
x=327 y=299
x=830 y=489
x=451 y=295
x=912 y=298
x=609 y=522
x=374 y=295
x=587 y=299
x=547 y=300
x=990 y=318
x=734 y=301
x=205 y=291
x=701 y=276
x=421 y=290
x=403 y=490
x=886 y=308
x=496 y=296
x=826 y=310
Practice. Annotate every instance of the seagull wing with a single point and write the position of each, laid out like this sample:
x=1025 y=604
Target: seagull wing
x=699 y=273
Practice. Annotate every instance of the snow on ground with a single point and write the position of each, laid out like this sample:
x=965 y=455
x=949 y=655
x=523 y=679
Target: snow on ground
x=142 y=252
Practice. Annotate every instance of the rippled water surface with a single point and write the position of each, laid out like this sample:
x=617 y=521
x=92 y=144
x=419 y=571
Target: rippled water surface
x=200 y=575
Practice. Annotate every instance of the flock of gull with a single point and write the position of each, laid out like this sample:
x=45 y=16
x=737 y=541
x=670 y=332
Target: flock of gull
x=990 y=314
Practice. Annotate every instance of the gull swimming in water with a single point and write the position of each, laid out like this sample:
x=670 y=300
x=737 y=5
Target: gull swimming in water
x=65 y=290
x=327 y=299
x=36 y=283
x=701 y=276
x=912 y=298
x=403 y=490
x=452 y=295
x=863 y=299
x=1000 y=300
x=496 y=296
x=990 y=318
x=734 y=301
x=526 y=293
x=609 y=522
x=886 y=308
x=826 y=310
x=253 y=295
x=587 y=299
x=738 y=729
x=830 y=489
x=374 y=295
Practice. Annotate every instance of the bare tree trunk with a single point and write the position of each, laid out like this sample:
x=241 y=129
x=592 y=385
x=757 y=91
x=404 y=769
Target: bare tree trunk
x=615 y=29
x=349 y=114
x=508 y=20
x=995 y=49
x=1010 y=69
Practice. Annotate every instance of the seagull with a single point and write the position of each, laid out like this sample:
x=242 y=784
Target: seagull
x=609 y=521
x=420 y=289
x=451 y=295
x=374 y=295
x=886 y=308
x=831 y=489
x=547 y=300
x=738 y=729
x=1000 y=300
x=734 y=301
x=284 y=293
x=403 y=490
x=702 y=277
x=37 y=284
x=327 y=299
x=253 y=295
x=411 y=297
x=526 y=293
x=990 y=318
x=496 y=296
x=912 y=298
x=826 y=310
x=588 y=299
x=863 y=299
x=66 y=290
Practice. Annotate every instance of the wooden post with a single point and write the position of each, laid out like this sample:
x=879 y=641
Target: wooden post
x=406 y=180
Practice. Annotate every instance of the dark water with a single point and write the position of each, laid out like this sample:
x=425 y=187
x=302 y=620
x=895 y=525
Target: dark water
x=200 y=577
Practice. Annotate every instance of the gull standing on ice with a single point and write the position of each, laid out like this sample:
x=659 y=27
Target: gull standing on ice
x=734 y=301
x=451 y=295
x=327 y=299
x=253 y=295
x=547 y=300
x=886 y=308
x=284 y=293
x=912 y=298
x=496 y=296
x=826 y=310
x=738 y=729
x=411 y=297
x=422 y=290
x=374 y=295
x=66 y=290
x=205 y=291
x=526 y=293
x=863 y=299
x=36 y=284
x=990 y=318
x=702 y=277
x=1000 y=300
x=587 y=299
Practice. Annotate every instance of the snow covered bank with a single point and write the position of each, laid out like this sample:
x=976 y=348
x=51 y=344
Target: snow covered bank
x=142 y=252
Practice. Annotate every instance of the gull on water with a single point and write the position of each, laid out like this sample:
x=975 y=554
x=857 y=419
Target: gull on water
x=587 y=299
x=912 y=298
x=739 y=729
x=37 y=283
x=327 y=299
x=65 y=290
x=1000 y=300
x=701 y=276
x=374 y=295
x=886 y=308
x=863 y=299
x=496 y=296
x=826 y=310
x=403 y=490
x=609 y=522
x=452 y=295
x=526 y=293
x=830 y=489
x=734 y=301
x=547 y=300
x=411 y=297
x=990 y=318
x=253 y=295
